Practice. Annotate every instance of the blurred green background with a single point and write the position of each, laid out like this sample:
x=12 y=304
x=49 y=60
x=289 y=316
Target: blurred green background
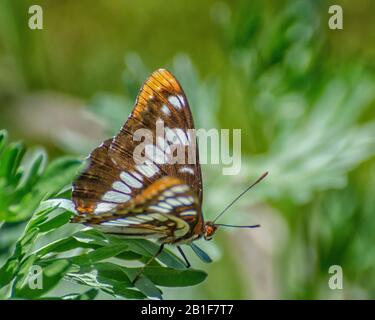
x=302 y=94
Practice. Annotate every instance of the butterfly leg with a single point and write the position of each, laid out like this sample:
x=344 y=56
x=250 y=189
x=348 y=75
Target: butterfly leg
x=188 y=265
x=148 y=262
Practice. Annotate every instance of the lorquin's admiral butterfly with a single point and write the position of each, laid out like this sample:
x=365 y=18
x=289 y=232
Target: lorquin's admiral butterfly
x=154 y=199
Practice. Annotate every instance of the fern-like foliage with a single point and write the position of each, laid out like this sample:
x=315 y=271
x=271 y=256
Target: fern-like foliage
x=69 y=253
x=25 y=179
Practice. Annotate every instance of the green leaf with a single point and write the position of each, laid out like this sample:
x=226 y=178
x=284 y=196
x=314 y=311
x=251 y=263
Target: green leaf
x=58 y=174
x=88 y=295
x=88 y=279
x=92 y=236
x=9 y=270
x=113 y=271
x=114 y=276
x=49 y=215
x=54 y=203
x=99 y=254
x=129 y=255
x=63 y=245
x=89 y=238
x=174 y=278
x=56 y=222
x=147 y=287
x=127 y=293
x=10 y=160
x=142 y=283
x=32 y=171
x=39 y=217
x=95 y=279
x=139 y=247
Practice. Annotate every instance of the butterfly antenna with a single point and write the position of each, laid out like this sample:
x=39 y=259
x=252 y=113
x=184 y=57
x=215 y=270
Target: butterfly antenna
x=239 y=196
x=234 y=226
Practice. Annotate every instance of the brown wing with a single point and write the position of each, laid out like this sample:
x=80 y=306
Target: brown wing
x=113 y=178
x=162 y=97
x=168 y=210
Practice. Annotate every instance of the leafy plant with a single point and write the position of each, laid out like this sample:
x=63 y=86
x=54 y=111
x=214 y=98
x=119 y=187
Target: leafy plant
x=25 y=180
x=84 y=257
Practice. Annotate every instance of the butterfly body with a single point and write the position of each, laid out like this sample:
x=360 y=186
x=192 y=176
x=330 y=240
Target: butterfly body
x=157 y=198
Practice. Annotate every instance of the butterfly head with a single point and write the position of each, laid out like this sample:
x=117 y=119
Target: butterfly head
x=209 y=230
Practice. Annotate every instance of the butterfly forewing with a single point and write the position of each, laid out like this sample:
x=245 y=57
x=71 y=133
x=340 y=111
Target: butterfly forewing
x=90 y=188
x=162 y=98
x=116 y=186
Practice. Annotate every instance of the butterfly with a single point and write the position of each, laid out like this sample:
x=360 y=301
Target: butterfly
x=153 y=199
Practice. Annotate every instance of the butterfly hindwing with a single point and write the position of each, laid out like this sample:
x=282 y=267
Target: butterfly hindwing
x=167 y=209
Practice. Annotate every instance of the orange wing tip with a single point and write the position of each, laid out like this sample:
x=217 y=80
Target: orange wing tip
x=163 y=72
x=163 y=79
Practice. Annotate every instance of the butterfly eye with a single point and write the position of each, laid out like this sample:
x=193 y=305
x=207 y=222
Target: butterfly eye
x=209 y=230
